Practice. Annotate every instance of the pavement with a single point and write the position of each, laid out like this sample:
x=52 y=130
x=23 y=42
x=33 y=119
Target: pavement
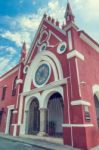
x=38 y=142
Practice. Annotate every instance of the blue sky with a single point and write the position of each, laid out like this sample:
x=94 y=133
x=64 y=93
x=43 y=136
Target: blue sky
x=19 y=20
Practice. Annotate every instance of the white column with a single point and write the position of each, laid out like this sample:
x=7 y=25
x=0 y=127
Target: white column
x=43 y=115
x=11 y=107
x=15 y=129
x=8 y=122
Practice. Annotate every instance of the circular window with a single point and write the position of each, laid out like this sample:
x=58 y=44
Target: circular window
x=43 y=37
x=25 y=69
x=43 y=47
x=42 y=74
x=61 y=47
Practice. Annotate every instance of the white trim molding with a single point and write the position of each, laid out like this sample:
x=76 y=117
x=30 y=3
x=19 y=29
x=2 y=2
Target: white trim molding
x=11 y=107
x=45 y=87
x=19 y=81
x=15 y=112
x=70 y=42
x=80 y=102
x=95 y=88
x=47 y=93
x=78 y=76
x=89 y=42
x=71 y=25
x=39 y=64
x=43 y=56
x=59 y=47
x=75 y=53
x=77 y=125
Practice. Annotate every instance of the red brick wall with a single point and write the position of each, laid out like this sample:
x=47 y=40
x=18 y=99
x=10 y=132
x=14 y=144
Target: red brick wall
x=9 y=99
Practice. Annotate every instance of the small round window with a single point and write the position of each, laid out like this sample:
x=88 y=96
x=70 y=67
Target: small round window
x=25 y=69
x=43 y=47
x=61 y=47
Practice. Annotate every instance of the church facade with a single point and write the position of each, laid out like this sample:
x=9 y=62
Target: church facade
x=54 y=90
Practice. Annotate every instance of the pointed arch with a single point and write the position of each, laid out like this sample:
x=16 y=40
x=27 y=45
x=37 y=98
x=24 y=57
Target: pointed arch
x=48 y=93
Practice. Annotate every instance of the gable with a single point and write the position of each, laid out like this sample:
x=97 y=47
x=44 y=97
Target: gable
x=48 y=37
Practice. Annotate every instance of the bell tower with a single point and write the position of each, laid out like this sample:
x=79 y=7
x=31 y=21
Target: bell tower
x=69 y=17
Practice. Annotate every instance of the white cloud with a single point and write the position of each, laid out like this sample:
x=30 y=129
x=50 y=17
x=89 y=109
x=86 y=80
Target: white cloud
x=11 y=50
x=53 y=5
x=3 y=63
x=6 y=64
x=17 y=37
x=21 y=1
x=29 y=22
x=27 y=25
x=2 y=47
x=88 y=9
x=34 y=2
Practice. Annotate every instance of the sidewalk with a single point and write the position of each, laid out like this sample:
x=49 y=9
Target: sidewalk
x=37 y=142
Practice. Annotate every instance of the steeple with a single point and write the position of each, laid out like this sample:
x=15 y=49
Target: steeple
x=69 y=17
x=23 y=53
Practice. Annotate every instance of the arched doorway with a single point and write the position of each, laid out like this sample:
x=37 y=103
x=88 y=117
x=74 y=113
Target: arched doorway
x=34 y=117
x=55 y=115
x=97 y=108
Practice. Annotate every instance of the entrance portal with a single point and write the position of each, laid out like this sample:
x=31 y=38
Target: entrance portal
x=55 y=115
x=34 y=117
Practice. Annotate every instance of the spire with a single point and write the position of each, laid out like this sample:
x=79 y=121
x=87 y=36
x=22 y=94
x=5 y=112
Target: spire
x=23 y=54
x=69 y=17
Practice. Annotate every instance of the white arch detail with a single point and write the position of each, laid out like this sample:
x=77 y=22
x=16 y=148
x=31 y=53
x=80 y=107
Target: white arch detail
x=28 y=100
x=46 y=58
x=57 y=62
x=46 y=95
x=50 y=58
x=95 y=89
x=43 y=101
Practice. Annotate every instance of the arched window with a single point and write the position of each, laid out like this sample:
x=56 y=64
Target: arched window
x=14 y=87
x=97 y=108
x=3 y=92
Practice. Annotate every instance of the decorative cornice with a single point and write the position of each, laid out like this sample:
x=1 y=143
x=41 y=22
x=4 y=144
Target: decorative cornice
x=10 y=107
x=80 y=102
x=19 y=81
x=71 y=25
x=75 y=53
x=56 y=27
x=46 y=87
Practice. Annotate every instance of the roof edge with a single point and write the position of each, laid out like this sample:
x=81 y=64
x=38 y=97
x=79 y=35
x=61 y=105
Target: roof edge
x=90 y=41
x=8 y=73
